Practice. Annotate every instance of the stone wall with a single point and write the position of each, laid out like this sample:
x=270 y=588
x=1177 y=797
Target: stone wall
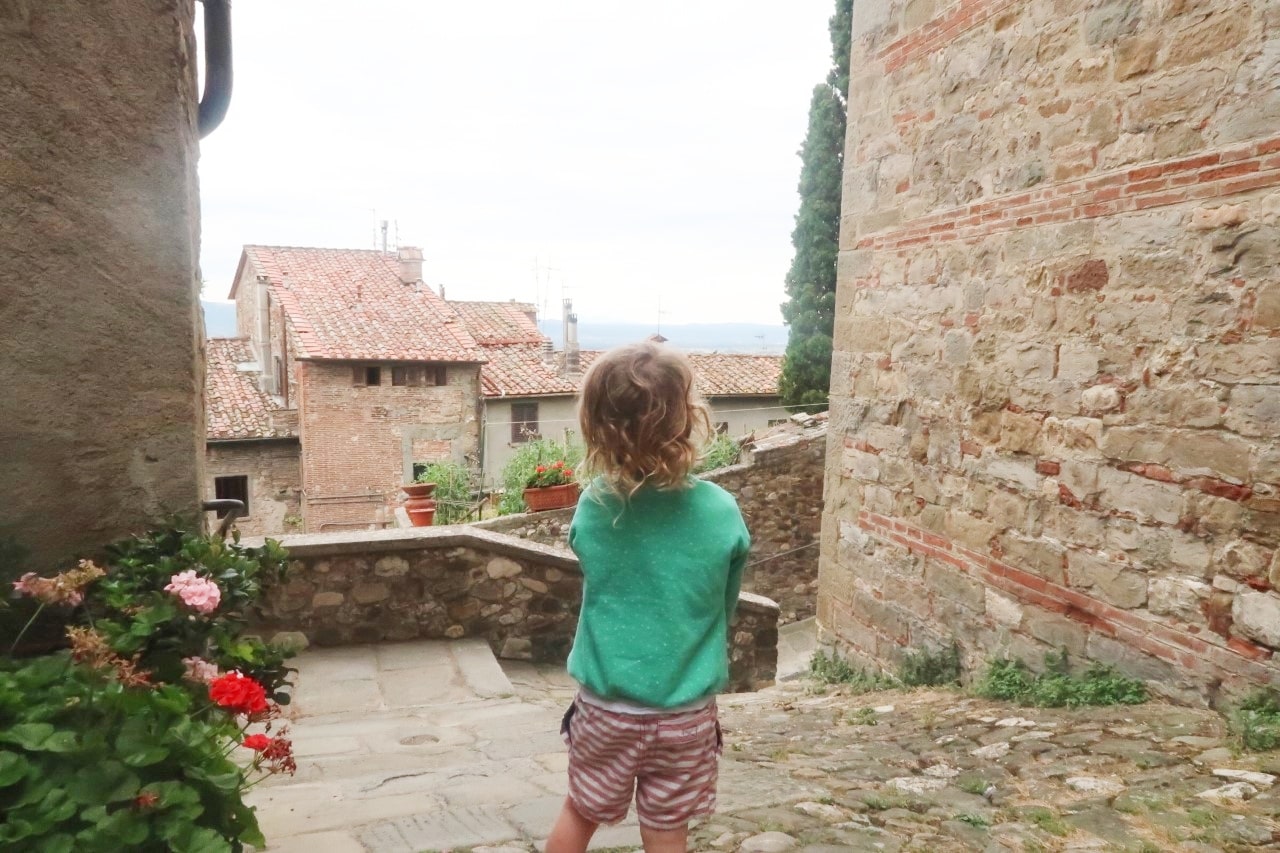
x=779 y=489
x=457 y=581
x=101 y=422
x=275 y=482
x=1056 y=385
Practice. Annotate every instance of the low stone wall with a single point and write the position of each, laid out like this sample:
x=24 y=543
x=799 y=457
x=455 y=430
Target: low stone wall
x=779 y=489
x=458 y=581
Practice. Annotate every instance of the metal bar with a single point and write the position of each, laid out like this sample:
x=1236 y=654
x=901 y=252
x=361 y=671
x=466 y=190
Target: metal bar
x=234 y=509
x=217 y=65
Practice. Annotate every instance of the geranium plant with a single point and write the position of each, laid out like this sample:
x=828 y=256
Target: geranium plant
x=147 y=731
x=555 y=474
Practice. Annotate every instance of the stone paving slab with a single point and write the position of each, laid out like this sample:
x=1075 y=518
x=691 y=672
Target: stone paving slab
x=470 y=760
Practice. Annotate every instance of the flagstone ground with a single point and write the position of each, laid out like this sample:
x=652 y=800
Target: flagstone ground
x=434 y=746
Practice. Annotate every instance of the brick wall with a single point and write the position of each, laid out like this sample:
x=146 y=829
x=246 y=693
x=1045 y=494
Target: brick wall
x=459 y=581
x=1056 y=382
x=358 y=442
x=275 y=482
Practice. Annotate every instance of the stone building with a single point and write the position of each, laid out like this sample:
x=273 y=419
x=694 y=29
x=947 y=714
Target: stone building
x=373 y=367
x=349 y=373
x=1056 y=385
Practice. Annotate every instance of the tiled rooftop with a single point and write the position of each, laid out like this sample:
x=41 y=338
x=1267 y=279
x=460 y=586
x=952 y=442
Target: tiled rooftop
x=498 y=323
x=725 y=374
x=350 y=304
x=513 y=346
x=518 y=371
x=235 y=407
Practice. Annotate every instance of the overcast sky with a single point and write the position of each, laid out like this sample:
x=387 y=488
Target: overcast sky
x=646 y=152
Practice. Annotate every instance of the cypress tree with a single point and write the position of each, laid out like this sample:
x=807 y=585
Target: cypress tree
x=811 y=282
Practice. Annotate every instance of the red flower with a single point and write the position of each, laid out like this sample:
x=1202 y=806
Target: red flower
x=557 y=465
x=568 y=472
x=541 y=469
x=146 y=799
x=238 y=693
x=279 y=754
x=257 y=742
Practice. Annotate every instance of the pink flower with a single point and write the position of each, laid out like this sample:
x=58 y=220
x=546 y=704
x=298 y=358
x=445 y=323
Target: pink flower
x=24 y=585
x=199 y=670
x=200 y=594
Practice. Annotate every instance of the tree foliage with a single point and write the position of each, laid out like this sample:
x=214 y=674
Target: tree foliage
x=811 y=281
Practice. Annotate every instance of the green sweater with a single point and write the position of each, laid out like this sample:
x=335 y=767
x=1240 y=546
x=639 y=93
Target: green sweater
x=660 y=584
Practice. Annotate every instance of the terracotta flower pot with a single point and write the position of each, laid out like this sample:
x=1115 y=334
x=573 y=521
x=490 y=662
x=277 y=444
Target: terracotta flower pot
x=551 y=497
x=419 y=504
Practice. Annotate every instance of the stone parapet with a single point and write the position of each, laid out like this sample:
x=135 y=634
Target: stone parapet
x=459 y=581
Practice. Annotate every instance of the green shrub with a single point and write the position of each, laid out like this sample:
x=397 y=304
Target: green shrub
x=1256 y=723
x=453 y=490
x=924 y=668
x=137 y=738
x=833 y=670
x=516 y=474
x=90 y=764
x=721 y=452
x=1057 y=687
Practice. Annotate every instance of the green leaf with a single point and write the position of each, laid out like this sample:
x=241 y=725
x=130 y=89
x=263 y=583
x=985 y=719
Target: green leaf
x=202 y=840
x=28 y=735
x=62 y=741
x=12 y=768
x=107 y=782
x=59 y=843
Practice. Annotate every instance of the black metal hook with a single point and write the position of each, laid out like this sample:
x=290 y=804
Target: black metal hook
x=217 y=65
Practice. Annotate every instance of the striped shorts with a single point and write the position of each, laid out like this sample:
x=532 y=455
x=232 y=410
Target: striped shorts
x=669 y=762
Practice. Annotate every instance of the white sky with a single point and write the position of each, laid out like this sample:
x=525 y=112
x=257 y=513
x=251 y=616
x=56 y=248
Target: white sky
x=646 y=151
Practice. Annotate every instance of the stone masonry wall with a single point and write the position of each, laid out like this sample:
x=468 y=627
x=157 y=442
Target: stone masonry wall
x=1056 y=386
x=779 y=489
x=359 y=443
x=101 y=419
x=456 y=581
x=275 y=482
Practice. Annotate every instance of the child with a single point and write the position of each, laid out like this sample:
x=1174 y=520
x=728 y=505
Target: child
x=662 y=556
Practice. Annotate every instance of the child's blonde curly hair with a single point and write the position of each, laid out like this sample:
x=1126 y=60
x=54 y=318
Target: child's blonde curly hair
x=642 y=420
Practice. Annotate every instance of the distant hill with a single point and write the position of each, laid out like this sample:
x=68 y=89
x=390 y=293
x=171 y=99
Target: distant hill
x=758 y=338
x=219 y=319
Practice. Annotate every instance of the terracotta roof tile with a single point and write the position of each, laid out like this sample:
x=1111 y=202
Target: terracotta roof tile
x=725 y=374
x=497 y=323
x=350 y=304
x=518 y=370
x=235 y=408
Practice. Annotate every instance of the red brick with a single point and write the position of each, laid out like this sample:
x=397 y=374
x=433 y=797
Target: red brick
x=1231 y=171
x=1048 y=468
x=1248 y=649
x=1220 y=488
x=1269 y=146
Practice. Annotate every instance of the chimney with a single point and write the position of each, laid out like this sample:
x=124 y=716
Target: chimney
x=410 y=264
x=572 y=363
x=549 y=353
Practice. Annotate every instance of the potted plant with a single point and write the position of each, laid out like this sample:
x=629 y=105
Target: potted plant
x=419 y=504
x=551 y=487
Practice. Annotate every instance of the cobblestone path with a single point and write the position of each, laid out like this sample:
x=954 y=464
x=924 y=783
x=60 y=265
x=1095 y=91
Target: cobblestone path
x=941 y=771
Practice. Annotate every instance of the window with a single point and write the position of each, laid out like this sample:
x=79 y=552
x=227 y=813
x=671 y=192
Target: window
x=524 y=422
x=282 y=381
x=722 y=427
x=232 y=489
x=366 y=374
x=417 y=375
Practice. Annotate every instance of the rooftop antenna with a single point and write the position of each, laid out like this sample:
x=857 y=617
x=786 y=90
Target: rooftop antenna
x=374 y=211
x=384 y=234
x=397 y=225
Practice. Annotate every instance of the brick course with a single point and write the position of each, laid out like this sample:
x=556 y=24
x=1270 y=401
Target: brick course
x=1057 y=371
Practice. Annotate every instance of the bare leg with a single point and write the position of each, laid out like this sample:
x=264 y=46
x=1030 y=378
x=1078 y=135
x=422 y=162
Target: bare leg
x=572 y=832
x=662 y=840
